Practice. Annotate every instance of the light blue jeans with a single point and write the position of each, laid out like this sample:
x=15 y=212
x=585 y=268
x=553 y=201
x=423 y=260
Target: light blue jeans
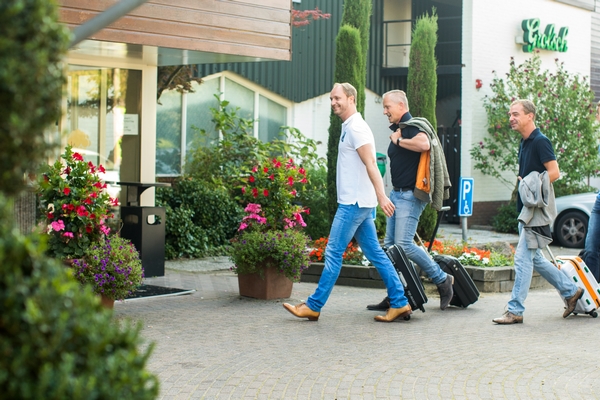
x=527 y=260
x=592 y=241
x=401 y=228
x=352 y=221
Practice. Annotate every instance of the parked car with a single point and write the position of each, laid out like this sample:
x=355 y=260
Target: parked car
x=571 y=223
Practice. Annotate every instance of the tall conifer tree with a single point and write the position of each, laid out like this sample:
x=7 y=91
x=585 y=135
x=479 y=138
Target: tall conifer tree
x=422 y=90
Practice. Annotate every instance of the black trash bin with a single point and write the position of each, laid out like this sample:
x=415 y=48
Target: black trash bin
x=145 y=227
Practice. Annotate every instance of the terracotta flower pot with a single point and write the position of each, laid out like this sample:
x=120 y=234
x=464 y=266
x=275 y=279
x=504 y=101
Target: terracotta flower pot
x=107 y=302
x=274 y=285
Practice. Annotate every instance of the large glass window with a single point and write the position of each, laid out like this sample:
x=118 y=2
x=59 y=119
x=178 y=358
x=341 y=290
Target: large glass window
x=102 y=119
x=192 y=111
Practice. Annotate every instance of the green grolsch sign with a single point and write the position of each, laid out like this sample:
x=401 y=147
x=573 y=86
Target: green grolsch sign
x=548 y=40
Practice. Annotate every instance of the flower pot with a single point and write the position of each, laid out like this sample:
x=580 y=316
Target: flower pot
x=107 y=302
x=273 y=285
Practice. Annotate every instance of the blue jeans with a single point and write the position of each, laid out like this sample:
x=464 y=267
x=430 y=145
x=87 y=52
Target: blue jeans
x=526 y=260
x=592 y=241
x=353 y=221
x=401 y=229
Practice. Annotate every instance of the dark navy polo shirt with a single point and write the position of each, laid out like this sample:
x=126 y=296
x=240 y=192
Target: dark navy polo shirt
x=533 y=153
x=404 y=162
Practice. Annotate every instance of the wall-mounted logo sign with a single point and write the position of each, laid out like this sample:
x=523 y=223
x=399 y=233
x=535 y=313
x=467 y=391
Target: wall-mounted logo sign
x=534 y=38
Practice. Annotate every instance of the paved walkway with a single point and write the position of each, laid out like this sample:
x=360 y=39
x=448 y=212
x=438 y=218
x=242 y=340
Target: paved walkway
x=213 y=344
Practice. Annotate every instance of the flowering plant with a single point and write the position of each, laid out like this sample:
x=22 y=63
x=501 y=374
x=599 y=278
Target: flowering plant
x=74 y=205
x=274 y=186
x=471 y=255
x=112 y=266
x=270 y=233
x=352 y=256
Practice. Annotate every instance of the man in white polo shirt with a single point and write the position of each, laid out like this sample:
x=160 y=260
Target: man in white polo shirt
x=359 y=190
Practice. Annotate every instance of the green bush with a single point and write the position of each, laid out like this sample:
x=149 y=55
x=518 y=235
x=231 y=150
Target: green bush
x=32 y=45
x=505 y=220
x=315 y=199
x=199 y=216
x=427 y=222
x=380 y=223
x=56 y=340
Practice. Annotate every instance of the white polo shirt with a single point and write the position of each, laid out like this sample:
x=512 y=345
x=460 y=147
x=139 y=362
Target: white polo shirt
x=353 y=183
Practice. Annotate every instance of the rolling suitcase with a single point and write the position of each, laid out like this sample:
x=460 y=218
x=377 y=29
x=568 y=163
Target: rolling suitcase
x=574 y=267
x=413 y=288
x=465 y=291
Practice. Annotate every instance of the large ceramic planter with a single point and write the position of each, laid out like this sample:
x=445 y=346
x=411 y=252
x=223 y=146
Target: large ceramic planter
x=107 y=302
x=272 y=285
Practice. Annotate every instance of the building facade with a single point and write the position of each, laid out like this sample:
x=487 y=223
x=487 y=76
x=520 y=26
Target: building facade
x=111 y=96
x=476 y=40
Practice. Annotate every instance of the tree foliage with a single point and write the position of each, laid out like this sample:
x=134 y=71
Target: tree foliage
x=347 y=48
x=422 y=91
x=565 y=114
x=32 y=45
x=422 y=77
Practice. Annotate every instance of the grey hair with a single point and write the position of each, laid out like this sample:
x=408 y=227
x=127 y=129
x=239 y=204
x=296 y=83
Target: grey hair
x=397 y=96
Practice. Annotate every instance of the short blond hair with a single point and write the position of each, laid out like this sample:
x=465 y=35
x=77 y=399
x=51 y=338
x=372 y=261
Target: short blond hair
x=348 y=89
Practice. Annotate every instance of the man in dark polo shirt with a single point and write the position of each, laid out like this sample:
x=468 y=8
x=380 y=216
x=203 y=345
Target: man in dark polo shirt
x=406 y=146
x=535 y=154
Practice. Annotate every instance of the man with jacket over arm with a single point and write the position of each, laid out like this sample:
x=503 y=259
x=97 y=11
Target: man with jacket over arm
x=409 y=139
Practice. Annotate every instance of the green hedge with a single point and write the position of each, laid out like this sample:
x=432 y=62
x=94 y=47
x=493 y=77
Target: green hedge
x=199 y=217
x=56 y=340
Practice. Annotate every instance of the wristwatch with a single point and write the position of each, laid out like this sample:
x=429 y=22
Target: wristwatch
x=398 y=141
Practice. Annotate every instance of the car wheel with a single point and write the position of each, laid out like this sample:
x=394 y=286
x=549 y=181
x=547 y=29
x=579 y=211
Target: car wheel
x=571 y=229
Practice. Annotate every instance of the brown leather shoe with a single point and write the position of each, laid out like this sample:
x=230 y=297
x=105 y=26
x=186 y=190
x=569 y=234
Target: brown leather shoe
x=572 y=302
x=302 y=311
x=508 y=318
x=395 y=313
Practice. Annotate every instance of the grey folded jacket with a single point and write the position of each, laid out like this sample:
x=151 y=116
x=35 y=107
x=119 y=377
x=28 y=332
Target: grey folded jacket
x=539 y=209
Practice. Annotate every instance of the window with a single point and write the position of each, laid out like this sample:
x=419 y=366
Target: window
x=181 y=117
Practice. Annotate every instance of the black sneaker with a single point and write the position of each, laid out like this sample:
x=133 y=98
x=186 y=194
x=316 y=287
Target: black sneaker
x=384 y=305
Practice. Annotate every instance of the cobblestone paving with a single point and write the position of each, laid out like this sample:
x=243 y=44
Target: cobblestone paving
x=214 y=344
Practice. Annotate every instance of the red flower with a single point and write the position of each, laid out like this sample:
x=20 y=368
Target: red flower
x=66 y=191
x=91 y=167
x=266 y=193
x=255 y=192
x=265 y=170
x=101 y=169
x=272 y=177
x=50 y=216
x=290 y=181
x=67 y=171
x=77 y=156
x=251 y=179
x=98 y=185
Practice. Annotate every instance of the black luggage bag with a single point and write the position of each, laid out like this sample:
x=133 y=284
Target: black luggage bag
x=413 y=288
x=465 y=291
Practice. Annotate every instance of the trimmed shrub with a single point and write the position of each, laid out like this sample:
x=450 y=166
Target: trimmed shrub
x=506 y=220
x=315 y=199
x=199 y=216
x=56 y=340
x=32 y=46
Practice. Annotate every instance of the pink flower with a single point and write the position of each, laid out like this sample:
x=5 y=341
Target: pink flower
x=290 y=181
x=58 y=225
x=254 y=169
x=252 y=208
x=243 y=226
x=243 y=189
x=105 y=229
x=68 y=234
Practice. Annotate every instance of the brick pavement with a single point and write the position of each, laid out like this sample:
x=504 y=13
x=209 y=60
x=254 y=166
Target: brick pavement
x=214 y=344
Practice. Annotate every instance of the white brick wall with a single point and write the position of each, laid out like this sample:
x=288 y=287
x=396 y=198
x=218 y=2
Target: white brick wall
x=489 y=31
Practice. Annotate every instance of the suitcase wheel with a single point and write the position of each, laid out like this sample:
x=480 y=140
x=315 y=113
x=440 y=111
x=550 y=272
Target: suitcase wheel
x=594 y=314
x=407 y=318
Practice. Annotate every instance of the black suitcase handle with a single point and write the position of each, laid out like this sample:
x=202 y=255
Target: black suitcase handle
x=437 y=225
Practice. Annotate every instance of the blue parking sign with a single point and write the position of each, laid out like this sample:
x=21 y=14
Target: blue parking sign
x=465 y=197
